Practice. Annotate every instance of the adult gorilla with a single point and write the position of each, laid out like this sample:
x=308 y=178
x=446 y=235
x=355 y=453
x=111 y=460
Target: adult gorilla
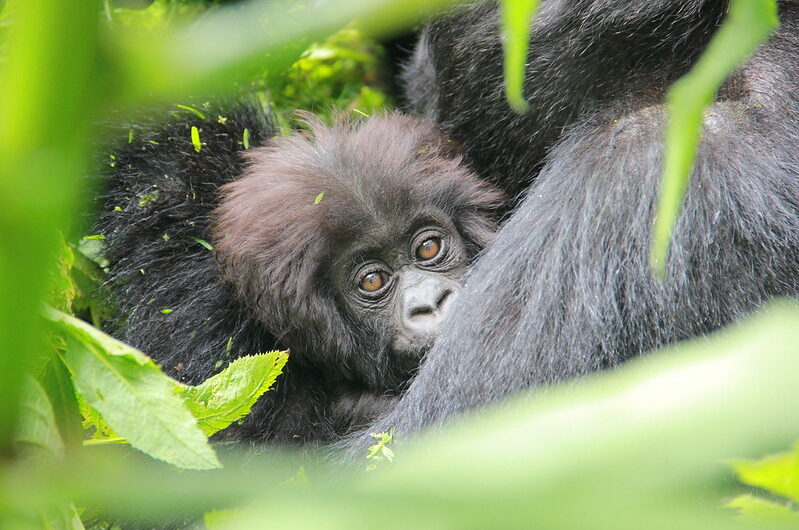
x=565 y=289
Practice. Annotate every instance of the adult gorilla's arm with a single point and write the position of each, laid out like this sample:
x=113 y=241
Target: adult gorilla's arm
x=565 y=289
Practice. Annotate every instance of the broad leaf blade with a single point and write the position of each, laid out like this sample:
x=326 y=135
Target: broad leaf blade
x=749 y=24
x=137 y=400
x=57 y=382
x=230 y=394
x=37 y=433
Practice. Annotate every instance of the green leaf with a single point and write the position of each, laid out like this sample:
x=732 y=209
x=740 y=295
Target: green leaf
x=137 y=400
x=517 y=16
x=205 y=54
x=203 y=242
x=777 y=473
x=61 y=290
x=756 y=510
x=319 y=198
x=245 y=139
x=60 y=517
x=57 y=382
x=749 y=23
x=99 y=431
x=37 y=433
x=192 y=110
x=230 y=394
x=195 y=139
x=219 y=519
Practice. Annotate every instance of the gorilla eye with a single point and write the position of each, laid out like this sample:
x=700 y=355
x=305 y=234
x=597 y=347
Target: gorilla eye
x=373 y=282
x=429 y=248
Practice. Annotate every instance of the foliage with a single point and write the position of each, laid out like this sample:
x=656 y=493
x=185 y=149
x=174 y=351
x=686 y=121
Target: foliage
x=777 y=474
x=380 y=451
x=229 y=395
x=516 y=16
x=340 y=73
x=749 y=24
x=588 y=457
x=641 y=447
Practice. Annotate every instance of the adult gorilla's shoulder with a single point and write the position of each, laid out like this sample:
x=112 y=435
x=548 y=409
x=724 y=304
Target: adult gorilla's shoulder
x=565 y=289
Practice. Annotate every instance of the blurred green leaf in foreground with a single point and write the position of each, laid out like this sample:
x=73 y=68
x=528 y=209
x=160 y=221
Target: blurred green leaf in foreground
x=777 y=474
x=749 y=23
x=644 y=446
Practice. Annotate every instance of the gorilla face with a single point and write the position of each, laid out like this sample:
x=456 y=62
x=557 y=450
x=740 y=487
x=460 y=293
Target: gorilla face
x=358 y=283
x=405 y=290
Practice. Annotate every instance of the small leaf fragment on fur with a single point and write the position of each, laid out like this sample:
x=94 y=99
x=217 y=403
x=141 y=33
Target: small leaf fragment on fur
x=192 y=110
x=203 y=242
x=167 y=311
x=147 y=198
x=165 y=237
x=380 y=450
x=130 y=136
x=245 y=139
x=319 y=198
x=93 y=237
x=362 y=113
x=195 y=139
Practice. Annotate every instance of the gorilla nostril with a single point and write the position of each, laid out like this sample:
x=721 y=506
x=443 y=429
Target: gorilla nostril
x=443 y=297
x=430 y=308
x=421 y=311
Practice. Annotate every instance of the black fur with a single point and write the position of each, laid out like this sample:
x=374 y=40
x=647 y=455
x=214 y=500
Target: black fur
x=565 y=288
x=161 y=186
x=268 y=283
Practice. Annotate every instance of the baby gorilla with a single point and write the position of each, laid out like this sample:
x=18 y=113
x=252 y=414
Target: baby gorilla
x=344 y=244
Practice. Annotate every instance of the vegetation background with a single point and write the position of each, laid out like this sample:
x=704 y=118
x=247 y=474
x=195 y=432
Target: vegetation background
x=91 y=431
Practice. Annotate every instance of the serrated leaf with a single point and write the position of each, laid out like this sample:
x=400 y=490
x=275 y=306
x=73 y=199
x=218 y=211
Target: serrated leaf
x=37 y=434
x=777 y=473
x=229 y=395
x=61 y=290
x=99 y=431
x=757 y=510
x=133 y=396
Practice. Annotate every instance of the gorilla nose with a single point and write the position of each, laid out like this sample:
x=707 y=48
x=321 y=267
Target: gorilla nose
x=425 y=308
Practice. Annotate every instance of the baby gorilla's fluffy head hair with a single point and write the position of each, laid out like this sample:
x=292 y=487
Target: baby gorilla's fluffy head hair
x=311 y=205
